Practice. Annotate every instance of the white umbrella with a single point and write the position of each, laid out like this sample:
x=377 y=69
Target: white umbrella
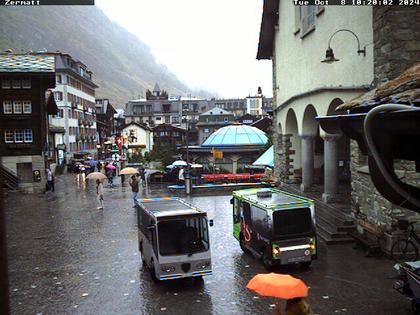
x=129 y=171
x=96 y=175
x=179 y=163
x=196 y=165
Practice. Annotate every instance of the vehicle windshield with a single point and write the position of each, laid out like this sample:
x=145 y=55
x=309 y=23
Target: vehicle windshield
x=183 y=236
x=290 y=222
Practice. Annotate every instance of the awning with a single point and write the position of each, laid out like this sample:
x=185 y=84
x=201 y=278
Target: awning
x=266 y=159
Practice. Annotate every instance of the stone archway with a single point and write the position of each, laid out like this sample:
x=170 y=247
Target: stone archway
x=292 y=140
x=336 y=162
x=310 y=130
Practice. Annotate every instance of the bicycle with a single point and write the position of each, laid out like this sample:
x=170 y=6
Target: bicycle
x=406 y=248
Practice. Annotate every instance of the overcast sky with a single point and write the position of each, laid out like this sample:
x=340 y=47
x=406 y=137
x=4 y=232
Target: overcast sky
x=209 y=44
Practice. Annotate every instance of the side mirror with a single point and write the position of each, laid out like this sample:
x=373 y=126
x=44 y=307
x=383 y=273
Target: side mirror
x=211 y=223
x=231 y=201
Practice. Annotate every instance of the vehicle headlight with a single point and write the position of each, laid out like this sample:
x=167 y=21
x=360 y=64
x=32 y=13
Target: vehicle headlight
x=167 y=268
x=203 y=265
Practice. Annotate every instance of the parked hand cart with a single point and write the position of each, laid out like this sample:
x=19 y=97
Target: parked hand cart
x=408 y=282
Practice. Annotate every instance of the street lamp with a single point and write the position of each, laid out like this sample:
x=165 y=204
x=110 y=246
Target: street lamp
x=329 y=54
x=187 y=173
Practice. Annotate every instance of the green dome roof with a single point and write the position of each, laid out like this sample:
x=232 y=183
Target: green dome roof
x=236 y=135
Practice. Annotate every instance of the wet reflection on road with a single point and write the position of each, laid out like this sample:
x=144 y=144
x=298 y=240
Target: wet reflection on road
x=67 y=257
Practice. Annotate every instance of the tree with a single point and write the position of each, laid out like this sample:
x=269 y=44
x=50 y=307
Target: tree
x=148 y=94
x=164 y=153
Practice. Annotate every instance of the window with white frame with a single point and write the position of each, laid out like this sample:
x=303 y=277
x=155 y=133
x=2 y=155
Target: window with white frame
x=28 y=135
x=17 y=107
x=7 y=107
x=18 y=136
x=58 y=96
x=58 y=78
x=307 y=17
x=27 y=107
x=5 y=84
x=8 y=136
x=26 y=84
x=16 y=84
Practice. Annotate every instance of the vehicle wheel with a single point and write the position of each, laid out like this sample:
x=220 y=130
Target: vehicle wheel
x=415 y=307
x=152 y=271
x=141 y=254
x=404 y=250
x=242 y=244
x=268 y=265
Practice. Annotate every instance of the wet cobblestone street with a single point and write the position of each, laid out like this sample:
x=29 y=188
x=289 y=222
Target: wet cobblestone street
x=67 y=257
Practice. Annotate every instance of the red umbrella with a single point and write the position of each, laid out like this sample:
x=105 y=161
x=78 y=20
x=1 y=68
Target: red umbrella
x=111 y=167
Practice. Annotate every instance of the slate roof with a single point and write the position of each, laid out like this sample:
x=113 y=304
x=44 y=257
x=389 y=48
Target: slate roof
x=405 y=89
x=26 y=63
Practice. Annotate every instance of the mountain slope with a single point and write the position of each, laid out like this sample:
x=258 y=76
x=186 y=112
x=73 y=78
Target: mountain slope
x=122 y=65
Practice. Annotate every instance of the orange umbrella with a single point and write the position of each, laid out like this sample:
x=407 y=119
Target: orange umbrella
x=278 y=285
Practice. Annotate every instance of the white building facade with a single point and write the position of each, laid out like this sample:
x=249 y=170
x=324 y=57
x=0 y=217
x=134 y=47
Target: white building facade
x=137 y=138
x=295 y=38
x=75 y=98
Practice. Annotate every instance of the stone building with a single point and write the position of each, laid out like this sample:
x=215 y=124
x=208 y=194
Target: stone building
x=295 y=38
x=25 y=107
x=395 y=49
x=314 y=88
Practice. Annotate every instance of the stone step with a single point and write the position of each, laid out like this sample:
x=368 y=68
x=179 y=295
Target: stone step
x=331 y=241
x=330 y=229
x=332 y=216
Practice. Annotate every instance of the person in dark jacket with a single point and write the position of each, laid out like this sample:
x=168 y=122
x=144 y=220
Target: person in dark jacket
x=298 y=306
x=134 y=183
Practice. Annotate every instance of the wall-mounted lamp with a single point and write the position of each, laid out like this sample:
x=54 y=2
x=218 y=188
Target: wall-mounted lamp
x=329 y=54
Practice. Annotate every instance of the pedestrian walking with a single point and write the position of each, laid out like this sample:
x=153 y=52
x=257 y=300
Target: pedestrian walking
x=181 y=177
x=298 y=306
x=100 y=194
x=50 y=180
x=134 y=183
x=142 y=176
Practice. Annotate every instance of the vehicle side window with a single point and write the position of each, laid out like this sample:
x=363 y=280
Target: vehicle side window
x=259 y=218
x=152 y=236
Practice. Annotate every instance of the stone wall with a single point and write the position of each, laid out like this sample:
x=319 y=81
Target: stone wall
x=282 y=157
x=367 y=203
x=396 y=40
